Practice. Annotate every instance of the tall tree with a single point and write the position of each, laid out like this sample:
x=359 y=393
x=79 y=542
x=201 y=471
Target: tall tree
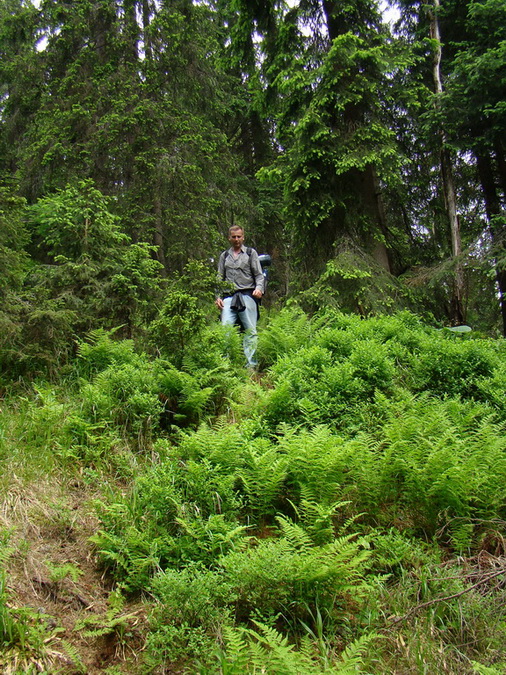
x=474 y=108
x=21 y=77
x=335 y=150
x=132 y=96
x=450 y=201
x=448 y=183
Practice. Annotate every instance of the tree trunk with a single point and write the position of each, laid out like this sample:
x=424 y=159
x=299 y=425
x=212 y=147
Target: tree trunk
x=499 y=150
x=339 y=21
x=493 y=209
x=457 y=300
x=158 y=233
x=131 y=28
x=380 y=250
x=146 y=20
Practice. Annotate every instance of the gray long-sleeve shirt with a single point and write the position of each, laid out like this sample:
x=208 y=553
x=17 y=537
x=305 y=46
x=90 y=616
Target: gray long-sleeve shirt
x=244 y=271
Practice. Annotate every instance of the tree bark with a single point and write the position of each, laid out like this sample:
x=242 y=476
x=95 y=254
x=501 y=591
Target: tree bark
x=493 y=209
x=158 y=232
x=146 y=20
x=340 y=21
x=450 y=198
x=500 y=152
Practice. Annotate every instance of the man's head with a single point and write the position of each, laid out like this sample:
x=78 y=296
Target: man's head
x=236 y=236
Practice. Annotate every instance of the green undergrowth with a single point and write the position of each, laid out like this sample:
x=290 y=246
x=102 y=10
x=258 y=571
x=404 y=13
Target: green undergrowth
x=342 y=512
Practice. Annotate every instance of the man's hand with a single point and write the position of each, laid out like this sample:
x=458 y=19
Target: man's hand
x=257 y=293
x=219 y=303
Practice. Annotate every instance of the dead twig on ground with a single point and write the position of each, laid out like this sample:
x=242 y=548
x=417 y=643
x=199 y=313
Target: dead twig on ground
x=445 y=598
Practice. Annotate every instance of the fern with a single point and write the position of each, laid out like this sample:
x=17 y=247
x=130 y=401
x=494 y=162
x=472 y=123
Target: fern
x=73 y=655
x=291 y=574
x=297 y=537
x=99 y=351
x=263 y=476
x=351 y=659
x=266 y=650
x=262 y=651
x=318 y=519
x=234 y=658
x=284 y=333
x=113 y=621
x=481 y=669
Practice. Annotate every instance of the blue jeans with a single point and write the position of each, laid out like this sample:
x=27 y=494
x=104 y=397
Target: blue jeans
x=248 y=320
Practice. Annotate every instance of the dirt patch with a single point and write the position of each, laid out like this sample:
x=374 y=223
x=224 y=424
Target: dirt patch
x=55 y=584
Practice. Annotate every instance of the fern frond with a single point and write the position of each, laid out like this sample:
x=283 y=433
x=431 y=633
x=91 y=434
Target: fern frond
x=352 y=657
x=296 y=535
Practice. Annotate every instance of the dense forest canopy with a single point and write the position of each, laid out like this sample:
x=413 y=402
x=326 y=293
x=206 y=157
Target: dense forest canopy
x=368 y=159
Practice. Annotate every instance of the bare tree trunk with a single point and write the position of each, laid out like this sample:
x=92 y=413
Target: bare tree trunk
x=159 y=228
x=500 y=151
x=450 y=197
x=493 y=209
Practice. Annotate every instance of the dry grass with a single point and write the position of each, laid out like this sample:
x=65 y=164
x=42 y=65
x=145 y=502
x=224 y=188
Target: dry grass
x=46 y=526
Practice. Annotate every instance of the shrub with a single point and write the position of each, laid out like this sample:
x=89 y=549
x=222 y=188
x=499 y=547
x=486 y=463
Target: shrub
x=493 y=390
x=192 y=597
x=97 y=273
x=292 y=576
x=176 y=513
x=184 y=400
x=452 y=367
x=140 y=397
x=215 y=349
x=289 y=575
x=372 y=366
x=125 y=396
x=314 y=388
x=100 y=350
x=337 y=341
x=170 y=489
x=192 y=607
x=284 y=333
x=180 y=319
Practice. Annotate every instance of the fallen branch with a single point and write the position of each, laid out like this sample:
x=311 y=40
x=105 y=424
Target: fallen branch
x=444 y=599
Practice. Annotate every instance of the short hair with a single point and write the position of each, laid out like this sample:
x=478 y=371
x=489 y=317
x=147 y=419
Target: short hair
x=233 y=228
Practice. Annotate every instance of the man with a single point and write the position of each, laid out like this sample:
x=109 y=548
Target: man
x=240 y=266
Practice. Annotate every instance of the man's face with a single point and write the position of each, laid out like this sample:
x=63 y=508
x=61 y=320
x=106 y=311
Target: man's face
x=236 y=239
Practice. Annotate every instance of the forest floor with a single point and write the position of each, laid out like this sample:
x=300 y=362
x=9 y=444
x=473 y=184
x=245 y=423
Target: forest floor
x=53 y=570
x=416 y=544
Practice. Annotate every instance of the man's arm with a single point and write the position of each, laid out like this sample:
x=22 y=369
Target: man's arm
x=221 y=266
x=221 y=275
